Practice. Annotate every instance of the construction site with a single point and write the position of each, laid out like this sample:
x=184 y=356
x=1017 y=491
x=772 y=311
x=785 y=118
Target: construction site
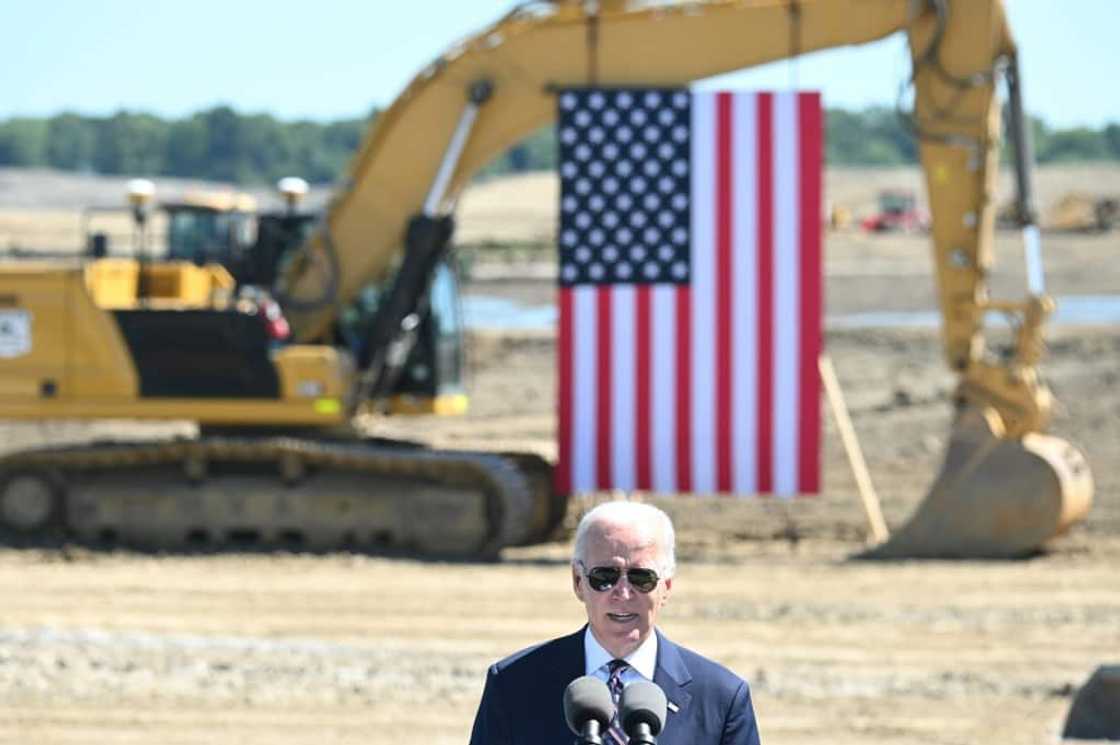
x=262 y=480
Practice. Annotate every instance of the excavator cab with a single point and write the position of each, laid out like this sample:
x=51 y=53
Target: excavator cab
x=217 y=232
x=251 y=245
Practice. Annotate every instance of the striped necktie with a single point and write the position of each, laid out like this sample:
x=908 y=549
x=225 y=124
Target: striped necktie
x=615 y=668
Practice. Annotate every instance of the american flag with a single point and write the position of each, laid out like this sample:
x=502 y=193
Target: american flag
x=690 y=291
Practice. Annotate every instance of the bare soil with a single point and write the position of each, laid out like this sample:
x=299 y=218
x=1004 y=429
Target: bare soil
x=118 y=647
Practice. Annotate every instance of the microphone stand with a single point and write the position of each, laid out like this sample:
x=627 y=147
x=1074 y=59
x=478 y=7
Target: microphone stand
x=642 y=735
x=590 y=734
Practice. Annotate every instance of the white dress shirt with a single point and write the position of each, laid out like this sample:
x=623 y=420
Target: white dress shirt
x=642 y=661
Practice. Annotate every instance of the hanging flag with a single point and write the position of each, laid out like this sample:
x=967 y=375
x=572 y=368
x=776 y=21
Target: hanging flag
x=690 y=291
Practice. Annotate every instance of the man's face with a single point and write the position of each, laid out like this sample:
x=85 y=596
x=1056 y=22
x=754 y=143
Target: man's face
x=622 y=617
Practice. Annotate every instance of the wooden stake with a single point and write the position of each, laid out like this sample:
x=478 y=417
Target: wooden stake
x=879 y=532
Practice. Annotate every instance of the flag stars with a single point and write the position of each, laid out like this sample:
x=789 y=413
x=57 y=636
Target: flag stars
x=624 y=166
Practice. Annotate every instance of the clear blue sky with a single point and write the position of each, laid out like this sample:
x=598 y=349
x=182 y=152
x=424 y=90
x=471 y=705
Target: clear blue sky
x=333 y=58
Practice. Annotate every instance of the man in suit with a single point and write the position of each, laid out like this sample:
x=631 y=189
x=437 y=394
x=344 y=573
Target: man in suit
x=622 y=571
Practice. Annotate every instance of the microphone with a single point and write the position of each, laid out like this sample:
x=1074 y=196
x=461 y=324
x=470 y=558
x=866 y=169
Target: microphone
x=588 y=709
x=642 y=712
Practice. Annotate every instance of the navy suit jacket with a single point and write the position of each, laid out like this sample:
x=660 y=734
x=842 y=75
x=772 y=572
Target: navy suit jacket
x=523 y=702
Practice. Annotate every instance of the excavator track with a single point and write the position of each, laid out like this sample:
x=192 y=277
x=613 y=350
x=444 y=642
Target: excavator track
x=303 y=493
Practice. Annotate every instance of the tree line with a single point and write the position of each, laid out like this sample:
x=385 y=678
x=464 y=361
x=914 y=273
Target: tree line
x=221 y=144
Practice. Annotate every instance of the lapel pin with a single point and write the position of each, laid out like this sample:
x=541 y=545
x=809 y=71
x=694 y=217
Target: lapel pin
x=673 y=707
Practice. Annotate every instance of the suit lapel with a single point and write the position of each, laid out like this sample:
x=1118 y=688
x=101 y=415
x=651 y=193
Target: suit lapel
x=567 y=663
x=571 y=662
x=673 y=677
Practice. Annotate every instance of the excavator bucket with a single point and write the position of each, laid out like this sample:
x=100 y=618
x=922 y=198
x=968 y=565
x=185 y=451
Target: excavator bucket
x=1095 y=712
x=995 y=498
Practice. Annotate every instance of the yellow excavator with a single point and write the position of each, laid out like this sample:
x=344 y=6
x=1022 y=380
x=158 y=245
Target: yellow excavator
x=274 y=461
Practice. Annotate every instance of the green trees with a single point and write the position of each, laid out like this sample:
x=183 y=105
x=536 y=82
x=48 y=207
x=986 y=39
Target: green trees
x=218 y=144
x=71 y=143
x=23 y=142
x=222 y=145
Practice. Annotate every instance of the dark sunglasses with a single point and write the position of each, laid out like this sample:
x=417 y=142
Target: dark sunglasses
x=602 y=579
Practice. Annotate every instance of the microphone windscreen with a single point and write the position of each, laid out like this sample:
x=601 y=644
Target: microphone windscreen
x=588 y=698
x=642 y=701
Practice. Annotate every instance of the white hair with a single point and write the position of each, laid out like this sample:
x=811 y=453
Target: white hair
x=623 y=512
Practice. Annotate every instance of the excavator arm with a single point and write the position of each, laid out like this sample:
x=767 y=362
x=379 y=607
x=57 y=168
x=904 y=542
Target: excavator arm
x=423 y=150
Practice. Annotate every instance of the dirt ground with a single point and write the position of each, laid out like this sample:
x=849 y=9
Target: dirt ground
x=120 y=648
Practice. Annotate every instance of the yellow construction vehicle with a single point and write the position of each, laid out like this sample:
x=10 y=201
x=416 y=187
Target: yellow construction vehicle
x=1078 y=212
x=174 y=340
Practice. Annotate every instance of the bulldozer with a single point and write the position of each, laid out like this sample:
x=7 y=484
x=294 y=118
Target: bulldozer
x=276 y=461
